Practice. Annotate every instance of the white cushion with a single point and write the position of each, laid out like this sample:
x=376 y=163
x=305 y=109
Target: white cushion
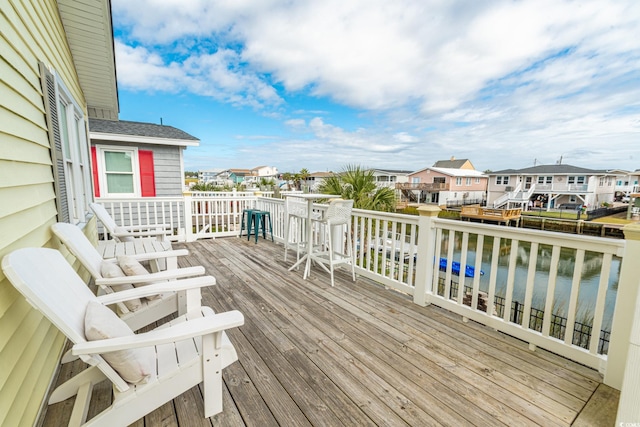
x=134 y=365
x=120 y=229
x=132 y=267
x=110 y=270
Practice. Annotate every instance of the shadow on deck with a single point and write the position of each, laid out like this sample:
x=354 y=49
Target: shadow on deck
x=358 y=354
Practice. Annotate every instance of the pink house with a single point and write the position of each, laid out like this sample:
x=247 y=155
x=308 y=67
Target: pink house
x=445 y=186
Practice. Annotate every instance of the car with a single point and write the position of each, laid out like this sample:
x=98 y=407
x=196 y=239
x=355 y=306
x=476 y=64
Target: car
x=625 y=199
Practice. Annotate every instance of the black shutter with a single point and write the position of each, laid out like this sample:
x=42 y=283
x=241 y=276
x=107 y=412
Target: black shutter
x=55 y=142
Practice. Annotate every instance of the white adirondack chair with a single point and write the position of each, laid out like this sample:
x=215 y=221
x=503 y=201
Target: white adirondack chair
x=170 y=302
x=121 y=233
x=191 y=350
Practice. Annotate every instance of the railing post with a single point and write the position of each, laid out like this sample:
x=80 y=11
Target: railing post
x=188 y=217
x=426 y=252
x=624 y=351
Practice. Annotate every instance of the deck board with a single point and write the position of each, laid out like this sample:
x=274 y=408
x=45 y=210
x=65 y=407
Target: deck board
x=358 y=354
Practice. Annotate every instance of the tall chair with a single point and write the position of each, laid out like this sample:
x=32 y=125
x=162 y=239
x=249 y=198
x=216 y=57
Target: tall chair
x=296 y=210
x=337 y=228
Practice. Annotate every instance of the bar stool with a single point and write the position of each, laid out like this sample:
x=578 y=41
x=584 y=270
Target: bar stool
x=259 y=219
x=337 y=229
x=246 y=221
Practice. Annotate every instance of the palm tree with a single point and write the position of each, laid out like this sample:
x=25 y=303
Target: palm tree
x=359 y=184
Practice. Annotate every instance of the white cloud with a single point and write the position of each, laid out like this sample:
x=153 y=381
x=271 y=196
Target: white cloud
x=217 y=75
x=532 y=78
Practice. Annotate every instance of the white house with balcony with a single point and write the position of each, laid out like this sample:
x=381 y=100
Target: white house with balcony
x=626 y=183
x=389 y=177
x=551 y=187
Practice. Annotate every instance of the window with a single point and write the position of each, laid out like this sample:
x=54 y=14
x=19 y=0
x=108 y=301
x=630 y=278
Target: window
x=123 y=172
x=119 y=171
x=468 y=181
x=502 y=180
x=458 y=181
x=477 y=180
x=415 y=180
x=67 y=131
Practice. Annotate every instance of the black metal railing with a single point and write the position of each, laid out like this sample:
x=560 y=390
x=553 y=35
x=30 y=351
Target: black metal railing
x=581 y=330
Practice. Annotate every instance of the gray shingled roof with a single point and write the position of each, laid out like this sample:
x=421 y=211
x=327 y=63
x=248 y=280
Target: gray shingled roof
x=152 y=130
x=548 y=169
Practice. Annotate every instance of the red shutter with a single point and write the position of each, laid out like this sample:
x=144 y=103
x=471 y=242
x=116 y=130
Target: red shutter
x=94 y=171
x=147 y=177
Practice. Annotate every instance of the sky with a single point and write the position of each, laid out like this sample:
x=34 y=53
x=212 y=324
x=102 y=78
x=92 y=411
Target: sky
x=386 y=84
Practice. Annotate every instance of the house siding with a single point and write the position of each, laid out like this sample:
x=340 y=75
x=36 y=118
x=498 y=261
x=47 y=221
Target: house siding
x=166 y=160
x=29 y=345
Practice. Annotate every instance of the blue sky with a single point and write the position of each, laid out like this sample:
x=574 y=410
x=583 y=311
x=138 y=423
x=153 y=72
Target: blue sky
x=319 y=84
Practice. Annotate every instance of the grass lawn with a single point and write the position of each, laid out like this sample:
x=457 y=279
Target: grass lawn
x=619 y=218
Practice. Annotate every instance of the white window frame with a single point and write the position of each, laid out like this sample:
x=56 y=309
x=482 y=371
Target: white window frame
x=468 y=182
x=75 y=152
x=102 y=170
x=502 y=180
x=458 y=181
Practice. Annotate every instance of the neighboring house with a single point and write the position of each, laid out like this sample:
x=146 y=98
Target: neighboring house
x=259 y=173
x=550 y=186
x=233 y=176
x=626 y=183
x=454 y=163
x=315 y=179
x=445 y=186
x=208 y=176
x=133 y=159
x=265 y=172
x=389 y=177
x=58 y=69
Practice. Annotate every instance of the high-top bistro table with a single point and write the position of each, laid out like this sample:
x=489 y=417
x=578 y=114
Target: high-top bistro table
x=306 y=258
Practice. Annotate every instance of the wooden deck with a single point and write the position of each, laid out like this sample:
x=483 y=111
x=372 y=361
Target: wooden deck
x=358 y=354
x=501 y=216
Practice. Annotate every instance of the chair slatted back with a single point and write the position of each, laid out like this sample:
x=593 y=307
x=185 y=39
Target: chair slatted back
x=80 y=246
x=104 y=217
x=49 y=283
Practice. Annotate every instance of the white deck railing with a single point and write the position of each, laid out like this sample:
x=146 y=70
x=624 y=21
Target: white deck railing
x=518 y=293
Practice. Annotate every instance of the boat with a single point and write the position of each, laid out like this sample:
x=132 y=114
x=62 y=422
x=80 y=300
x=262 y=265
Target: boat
x=455 y=268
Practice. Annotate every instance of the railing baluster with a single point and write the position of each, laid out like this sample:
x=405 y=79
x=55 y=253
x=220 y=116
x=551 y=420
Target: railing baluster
x=508 y=297
x=573 y=298
x=533 y=260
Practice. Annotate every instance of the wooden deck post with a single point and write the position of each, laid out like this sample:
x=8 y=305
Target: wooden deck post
x=188 y=217
x=424 y=264
x=624 y=349
x=623 y=365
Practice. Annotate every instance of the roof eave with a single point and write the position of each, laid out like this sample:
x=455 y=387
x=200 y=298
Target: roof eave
x=89 y=32
x=100 y=136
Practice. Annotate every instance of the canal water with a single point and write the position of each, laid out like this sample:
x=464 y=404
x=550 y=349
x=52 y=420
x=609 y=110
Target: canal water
x=588 y=282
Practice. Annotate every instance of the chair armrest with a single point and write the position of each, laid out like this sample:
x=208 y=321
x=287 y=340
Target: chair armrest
x=160 y=276
x=147 y=227
x=148 y=256
x=141 y=233
x=157 y=288
x=181 y=331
